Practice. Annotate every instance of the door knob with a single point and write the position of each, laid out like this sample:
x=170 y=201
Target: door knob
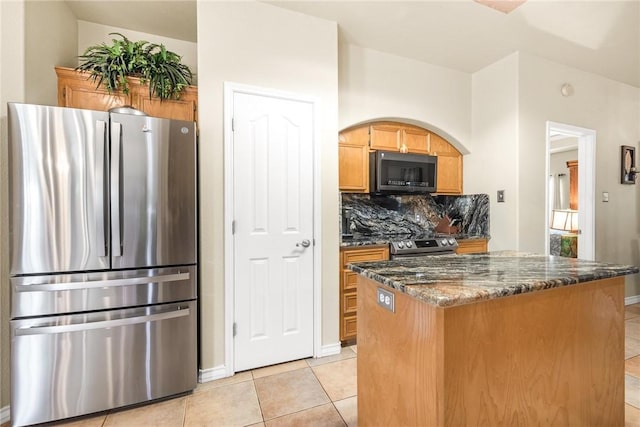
x=305 y=243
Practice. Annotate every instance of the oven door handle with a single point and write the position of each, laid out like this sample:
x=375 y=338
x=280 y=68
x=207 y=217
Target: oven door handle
x=74 y=286
x=59 y=329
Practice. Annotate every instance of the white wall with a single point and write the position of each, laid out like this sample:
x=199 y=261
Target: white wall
x=51 y=38
x=558 y=162
x=492 y=164
x=377 y=85
x=91 y=34
x=518 y=160
x=262 y=45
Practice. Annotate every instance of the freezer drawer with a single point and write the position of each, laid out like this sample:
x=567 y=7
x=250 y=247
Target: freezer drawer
x=66 y=366
x=69 y=293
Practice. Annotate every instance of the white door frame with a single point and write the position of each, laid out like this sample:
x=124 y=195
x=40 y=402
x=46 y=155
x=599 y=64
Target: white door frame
x=586 y=186
x=230 y=89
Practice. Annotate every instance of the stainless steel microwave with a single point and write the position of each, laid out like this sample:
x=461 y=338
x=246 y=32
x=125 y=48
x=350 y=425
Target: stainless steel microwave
x=397 y=173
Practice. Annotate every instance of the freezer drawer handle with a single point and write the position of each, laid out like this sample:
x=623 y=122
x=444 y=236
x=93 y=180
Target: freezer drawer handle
x=74 y=286
x=46 y=330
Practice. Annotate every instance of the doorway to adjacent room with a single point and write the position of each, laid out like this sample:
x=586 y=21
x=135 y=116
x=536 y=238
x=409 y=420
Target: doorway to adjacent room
x=585 y=142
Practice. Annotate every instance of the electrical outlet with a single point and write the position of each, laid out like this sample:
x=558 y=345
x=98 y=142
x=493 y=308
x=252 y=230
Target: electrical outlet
x=386 y=300
x=500 y=196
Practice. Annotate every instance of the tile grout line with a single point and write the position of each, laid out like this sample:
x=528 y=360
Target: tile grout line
x=327 y=393
x=253 y=381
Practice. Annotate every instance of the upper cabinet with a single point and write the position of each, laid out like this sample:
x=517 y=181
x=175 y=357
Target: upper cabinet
x=356 y=143
x=389 y=136
x=354 y=160
x=449 y=178
x=76 y=90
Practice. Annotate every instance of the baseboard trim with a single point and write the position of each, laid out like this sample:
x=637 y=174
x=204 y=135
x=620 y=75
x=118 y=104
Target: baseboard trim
x=212 y=374
x=632 y=300
x=330 y=349
x=5 y=413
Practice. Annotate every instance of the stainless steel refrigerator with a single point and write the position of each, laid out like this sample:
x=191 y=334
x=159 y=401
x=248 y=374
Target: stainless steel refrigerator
x=103 y=260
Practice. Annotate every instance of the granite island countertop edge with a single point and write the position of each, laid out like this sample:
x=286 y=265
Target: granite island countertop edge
x=451 y=280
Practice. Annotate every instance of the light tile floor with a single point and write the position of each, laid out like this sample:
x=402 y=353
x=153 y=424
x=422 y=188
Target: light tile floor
x=312 y=392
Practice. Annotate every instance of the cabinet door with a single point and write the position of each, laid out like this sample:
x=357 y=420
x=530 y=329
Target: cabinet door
x=385 y=137
x=449 y=165
x=354 y=168
x=353 y=158
x=414 y=140
x=86 y=96
x=181 y=109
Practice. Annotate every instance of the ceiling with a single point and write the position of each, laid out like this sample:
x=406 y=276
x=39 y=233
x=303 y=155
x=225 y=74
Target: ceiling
x=602 y=37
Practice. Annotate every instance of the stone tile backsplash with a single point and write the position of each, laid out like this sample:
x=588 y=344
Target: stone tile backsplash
x=415 y=214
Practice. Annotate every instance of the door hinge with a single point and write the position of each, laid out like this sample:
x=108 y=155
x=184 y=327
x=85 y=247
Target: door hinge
x=233 y=227
x=235 y=329
x=233 y=125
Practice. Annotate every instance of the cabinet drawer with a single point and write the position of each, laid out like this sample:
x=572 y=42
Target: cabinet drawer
x=472 y=246
x=362 y=255
x=349 y=302
x=349 y=280
x=349 y=328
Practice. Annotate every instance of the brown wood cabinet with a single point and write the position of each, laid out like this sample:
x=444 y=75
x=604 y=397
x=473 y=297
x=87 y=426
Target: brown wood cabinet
x=391 y=136
x=76 y=90
x=538 y=358
x=449 y=165
x=385 y=136
x=356 y=143
x=573 y=184
x=353 y=158
x=472 y=246
x=348 y=288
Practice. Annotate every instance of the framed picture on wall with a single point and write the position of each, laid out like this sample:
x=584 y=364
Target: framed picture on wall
x=628 y=165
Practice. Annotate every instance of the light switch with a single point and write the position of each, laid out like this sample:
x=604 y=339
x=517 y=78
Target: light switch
x=500 y=196
x=605 y=196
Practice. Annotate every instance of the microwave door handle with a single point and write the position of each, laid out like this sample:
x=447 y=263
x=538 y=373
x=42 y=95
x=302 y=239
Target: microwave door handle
x=100 y=195
x=116 y=228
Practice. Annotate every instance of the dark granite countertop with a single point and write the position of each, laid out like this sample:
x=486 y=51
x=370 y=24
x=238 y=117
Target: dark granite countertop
x=384 y=239
x=452 y=280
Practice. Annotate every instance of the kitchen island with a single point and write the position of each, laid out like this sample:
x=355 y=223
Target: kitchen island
x=491 y=339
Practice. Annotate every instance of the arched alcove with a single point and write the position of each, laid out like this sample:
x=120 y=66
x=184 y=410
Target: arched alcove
x=420 y=123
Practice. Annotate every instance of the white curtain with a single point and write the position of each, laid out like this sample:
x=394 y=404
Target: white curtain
x=558 y=192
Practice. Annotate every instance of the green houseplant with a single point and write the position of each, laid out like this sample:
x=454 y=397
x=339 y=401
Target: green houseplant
x=152 y=63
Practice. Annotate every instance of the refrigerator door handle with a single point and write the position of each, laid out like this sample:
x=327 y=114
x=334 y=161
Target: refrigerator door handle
x=99 y=194
x=116 y=229
x=58 y=329
x=40 y=287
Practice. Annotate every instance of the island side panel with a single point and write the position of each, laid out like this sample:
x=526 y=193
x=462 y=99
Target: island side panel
x=553 y=357
x=398 y=358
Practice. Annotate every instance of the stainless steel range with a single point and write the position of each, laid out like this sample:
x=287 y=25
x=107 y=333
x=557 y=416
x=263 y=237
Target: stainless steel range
x=419 y=247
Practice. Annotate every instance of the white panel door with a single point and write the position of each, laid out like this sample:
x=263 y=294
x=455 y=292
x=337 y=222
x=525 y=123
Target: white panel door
x=273 y=240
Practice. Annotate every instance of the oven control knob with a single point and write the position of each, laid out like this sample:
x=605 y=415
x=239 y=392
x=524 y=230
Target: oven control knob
x=400 y=245
x=409 y=243
x=444 y=242
x=452 y=242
